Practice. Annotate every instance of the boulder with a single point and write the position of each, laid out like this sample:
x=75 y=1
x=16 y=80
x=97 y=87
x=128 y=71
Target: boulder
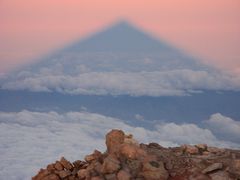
x=212 y=167
x=123 y=175
x=82 y=173
x=154 y=170
x=58 y=166
x=110 y=165
x=189 y=149
x=125 y=159
x=114 y=139
x=66 y=164
x=94 y=156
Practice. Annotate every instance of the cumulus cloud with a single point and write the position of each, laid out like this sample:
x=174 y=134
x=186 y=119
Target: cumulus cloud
x=157 y=83
x=224 y=127
x=30 y=140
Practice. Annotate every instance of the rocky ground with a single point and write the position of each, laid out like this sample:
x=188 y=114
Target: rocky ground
x=126 y=159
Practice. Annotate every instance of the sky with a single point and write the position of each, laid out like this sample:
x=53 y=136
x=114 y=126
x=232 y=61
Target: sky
x=206 y=29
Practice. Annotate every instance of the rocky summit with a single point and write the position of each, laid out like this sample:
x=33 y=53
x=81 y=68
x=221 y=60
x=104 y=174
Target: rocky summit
x=126 y=159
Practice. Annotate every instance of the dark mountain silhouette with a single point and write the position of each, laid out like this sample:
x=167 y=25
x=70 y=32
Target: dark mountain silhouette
x=121 y=37
x=119 y=47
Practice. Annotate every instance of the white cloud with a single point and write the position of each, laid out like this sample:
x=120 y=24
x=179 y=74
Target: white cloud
x=139 y=117
x=30 y=140
x=156 y=83
x=186 y=133
x=224 y=127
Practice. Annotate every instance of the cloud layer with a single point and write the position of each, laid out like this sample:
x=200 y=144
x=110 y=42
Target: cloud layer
x=139 y=74
x=30 y=140
x=157 y=83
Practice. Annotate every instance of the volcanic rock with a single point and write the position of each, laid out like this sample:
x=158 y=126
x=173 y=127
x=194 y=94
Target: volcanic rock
x=126 y=159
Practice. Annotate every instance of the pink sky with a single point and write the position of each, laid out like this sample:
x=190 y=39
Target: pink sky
x=209 y=29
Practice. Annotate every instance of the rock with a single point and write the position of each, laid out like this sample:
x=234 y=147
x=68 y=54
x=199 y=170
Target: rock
x=206 y=153
x=72 y=178
x=125 y=159
x=129 y=151
x=66 y=164
x=97 y=167
x=50 y=167
x=129 y=140
x=215 y=150
x=113 y=140
x=235 y=167
x=220 y=175
x=199 y=176
x=134 y=166
x=64 y=174
x=169 y=165
x=154 y=171
x=201 y=147
x=94 y=156
x=123 y=175
x=110 y=165
x=51 y=177
x=213 y=167
x=236 y=164
x=82 y=173
x=110 y=177
x=190 y=149
x=97 y=178
x=155 y=146
x=58 y=166
x=78 y=164
x=42 y=173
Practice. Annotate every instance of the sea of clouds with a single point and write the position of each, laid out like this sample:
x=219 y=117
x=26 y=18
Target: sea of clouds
x=158 y=83
x=30 y=140
x=119 y=74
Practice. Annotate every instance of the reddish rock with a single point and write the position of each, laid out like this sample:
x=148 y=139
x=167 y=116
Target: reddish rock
x=42 y=173
x=215 y=150
x=110 y=165
x=114 y=139
x=154 y=146
x=82 y=173
x=206 y=153
x=125 y=159
x=97 y=178
x=50 y=167
x=94 y=156
x=199 y=176
x=154 y=170
x=235 y=167
x=190 y=149
x=130 y=140
x=51 y=177
x=236 y=164
x=58 y=166
x=212 y=167
x=220 y=175
x=97 y=167
x=66 y=164
x=110 y=177
x=129 y=151
x=202 y=147
x=123 y=175
x=78 y=164
x=64 y=174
